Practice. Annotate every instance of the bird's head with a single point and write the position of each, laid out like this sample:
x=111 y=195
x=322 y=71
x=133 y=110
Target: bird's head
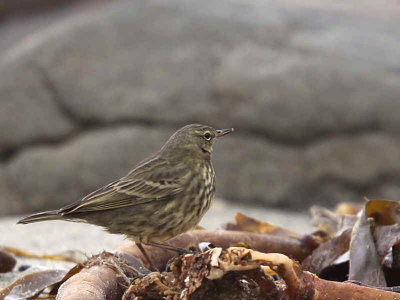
x=195 y=140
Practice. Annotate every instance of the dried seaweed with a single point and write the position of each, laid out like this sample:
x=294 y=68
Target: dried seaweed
x=237 y=273
x=32 y=284
x=326 y=254
x=331 y=223
x=7 y=261
x=365 y=262
x=254 y=259
x=245 y=223
x=212 y=274
x=70 y=256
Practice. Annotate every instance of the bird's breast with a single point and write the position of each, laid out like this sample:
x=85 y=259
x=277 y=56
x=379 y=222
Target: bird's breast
x=205 y=191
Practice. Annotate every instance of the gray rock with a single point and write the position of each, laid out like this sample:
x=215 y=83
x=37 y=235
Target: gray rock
x=11 y=201
x=355 y=159
x=311 y=89
x=251 y=170
x=248 y=169
x=53 y=176
x=348 y=168
x=280 y=73
x=28 y=110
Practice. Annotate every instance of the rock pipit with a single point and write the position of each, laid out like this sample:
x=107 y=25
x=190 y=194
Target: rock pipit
x=163 y=196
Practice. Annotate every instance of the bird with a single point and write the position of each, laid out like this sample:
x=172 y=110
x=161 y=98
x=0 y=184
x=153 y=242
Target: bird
x=163 y=196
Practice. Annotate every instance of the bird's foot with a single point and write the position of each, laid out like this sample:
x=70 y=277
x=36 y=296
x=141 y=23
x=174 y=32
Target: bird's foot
x=178 y=250
x=152 y=267
x=183 y=251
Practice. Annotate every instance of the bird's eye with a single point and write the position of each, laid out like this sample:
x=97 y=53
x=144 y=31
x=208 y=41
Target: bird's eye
x=207 y=136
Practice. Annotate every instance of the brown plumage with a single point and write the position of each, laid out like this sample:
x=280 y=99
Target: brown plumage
x=163 y=196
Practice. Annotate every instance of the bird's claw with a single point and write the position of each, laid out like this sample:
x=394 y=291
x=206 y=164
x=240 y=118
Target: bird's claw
x=183 y=251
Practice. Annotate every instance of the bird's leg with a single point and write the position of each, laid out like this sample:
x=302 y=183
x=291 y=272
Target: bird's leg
x=179 y=250
x=151 y=265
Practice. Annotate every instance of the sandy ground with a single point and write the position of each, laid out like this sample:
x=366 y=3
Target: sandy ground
x=58 y=236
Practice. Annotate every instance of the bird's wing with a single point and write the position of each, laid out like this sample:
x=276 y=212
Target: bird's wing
x=153 y=180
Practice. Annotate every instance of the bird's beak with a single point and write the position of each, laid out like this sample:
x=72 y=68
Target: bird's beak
x=222 y=132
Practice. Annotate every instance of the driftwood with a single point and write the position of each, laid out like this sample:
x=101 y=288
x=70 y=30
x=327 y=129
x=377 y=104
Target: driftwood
x=105 y=279
x=297 y=248
x=104 y=276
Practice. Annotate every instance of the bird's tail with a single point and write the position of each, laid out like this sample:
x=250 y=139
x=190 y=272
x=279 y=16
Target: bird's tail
x=43 y=216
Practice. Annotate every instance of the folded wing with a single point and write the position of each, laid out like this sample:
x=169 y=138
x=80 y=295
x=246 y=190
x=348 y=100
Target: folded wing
x=153 y=180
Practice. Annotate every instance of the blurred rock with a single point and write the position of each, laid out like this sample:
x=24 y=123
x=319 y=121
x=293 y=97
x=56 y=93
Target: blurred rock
x=11 y=201
x=313 y=91
x=7 y=261
x=50 y=176
x=13 y=9
x=28 y=111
